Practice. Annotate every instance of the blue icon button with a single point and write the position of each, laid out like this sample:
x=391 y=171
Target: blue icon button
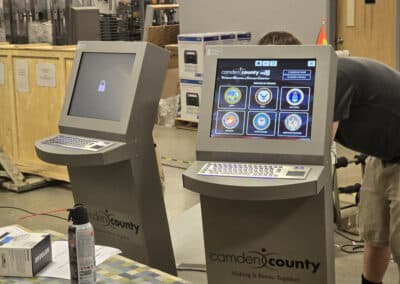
x=261 y=121
x=295 y=97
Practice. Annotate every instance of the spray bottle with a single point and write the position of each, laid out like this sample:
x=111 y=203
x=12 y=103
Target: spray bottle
x=81 y=246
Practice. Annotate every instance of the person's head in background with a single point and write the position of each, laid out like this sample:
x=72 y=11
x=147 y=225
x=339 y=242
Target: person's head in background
x=279 y=38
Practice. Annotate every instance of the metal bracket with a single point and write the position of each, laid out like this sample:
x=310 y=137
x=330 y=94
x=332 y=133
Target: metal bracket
x=346 y=217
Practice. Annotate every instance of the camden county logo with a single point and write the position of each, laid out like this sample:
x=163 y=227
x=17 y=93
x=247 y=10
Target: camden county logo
x=265 y=260
x=244 y=72
x=108 y=219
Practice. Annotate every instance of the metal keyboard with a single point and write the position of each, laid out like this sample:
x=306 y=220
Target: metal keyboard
x=77 y=142
x=252 y=170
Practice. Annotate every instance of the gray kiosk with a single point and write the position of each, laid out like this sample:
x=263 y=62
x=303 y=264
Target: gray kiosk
x=106 y=142
x=263 y=166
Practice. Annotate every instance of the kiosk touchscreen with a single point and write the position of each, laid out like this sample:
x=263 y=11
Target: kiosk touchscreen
x=263 y=164
x=106 y=142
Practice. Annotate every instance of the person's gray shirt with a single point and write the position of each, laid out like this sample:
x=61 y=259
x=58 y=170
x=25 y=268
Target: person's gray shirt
x=367 y=105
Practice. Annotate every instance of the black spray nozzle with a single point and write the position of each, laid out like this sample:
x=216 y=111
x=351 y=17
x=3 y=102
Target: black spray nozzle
x=78 y=215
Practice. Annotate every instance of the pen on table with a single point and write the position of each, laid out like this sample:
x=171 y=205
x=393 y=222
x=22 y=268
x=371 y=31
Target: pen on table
x=4 y=235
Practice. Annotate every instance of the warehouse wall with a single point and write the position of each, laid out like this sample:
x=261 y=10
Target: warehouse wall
x=301 y=17
x=397 y=55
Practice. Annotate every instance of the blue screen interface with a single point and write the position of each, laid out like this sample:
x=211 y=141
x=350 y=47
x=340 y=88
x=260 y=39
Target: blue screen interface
x=264 y=98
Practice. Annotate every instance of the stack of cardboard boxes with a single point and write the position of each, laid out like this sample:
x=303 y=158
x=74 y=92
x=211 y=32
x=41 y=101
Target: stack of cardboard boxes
x=191 y=51
x=171 y=83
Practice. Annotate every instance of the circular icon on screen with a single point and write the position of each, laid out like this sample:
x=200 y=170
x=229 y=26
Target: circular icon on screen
x=232 y=95
x=261 y=121
x=263 y=96
x=293 y=122
x=230 y=120
x=295 y=97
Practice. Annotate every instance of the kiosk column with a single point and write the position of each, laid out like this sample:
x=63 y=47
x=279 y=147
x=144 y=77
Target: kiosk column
x=263 y=164
x=106 y=142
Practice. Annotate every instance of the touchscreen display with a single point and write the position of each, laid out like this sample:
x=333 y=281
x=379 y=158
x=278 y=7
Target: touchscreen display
x=102 y=85
x=264 y=98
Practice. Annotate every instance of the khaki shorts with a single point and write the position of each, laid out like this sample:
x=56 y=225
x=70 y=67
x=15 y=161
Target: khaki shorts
x=380 y=205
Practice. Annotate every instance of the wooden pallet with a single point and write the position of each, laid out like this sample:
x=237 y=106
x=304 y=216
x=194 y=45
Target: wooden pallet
x=185 y=124
x=12 y=179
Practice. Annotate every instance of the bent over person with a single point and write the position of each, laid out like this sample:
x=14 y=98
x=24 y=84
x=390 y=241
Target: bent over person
x=367 y=120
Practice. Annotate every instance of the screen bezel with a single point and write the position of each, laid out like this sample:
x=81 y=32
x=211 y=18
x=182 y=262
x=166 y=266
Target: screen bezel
x=101 y=125
x=76 y=81
x=247 y=110
x=237 y=149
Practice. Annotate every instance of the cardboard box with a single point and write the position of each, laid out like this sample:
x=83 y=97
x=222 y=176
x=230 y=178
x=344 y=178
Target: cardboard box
x=173 y=59
x=171 y=83
x=24 y=255
x=163 y=35
x=190 y=99
x=191 y=49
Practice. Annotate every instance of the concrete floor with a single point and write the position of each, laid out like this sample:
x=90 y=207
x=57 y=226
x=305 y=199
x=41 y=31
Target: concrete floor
x=177 y=144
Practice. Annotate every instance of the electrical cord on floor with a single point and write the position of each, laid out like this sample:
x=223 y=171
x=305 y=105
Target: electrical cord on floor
x=356 y=246
x=352 y=248
x=342 y=234
x=33 y=213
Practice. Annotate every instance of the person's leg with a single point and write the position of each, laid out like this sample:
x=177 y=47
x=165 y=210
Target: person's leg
x=395 y=232
x=374 y=222
x=392 y=175
x=376 y=261
x=398 y=269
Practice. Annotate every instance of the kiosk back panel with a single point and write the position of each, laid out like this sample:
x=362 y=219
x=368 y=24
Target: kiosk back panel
x=106 y=142
x=263 y=164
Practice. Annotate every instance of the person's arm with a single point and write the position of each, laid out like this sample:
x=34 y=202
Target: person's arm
x=335 y=127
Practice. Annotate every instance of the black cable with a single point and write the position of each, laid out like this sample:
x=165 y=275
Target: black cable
x=356 y=247
x=349 y=233
x=352 y=248
x=29 y=212
x=347 y=237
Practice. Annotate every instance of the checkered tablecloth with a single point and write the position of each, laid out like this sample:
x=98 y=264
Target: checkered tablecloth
x=115 y=270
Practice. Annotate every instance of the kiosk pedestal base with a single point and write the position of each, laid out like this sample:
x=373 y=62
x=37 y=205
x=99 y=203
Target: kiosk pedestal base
x=127 y=212
x=283 y=241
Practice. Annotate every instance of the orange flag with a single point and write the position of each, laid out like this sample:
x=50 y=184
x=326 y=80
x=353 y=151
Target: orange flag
x=322 y=39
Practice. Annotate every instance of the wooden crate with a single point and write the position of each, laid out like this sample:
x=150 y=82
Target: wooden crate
x=163 y=35
x=29 y=114
x=7 y=107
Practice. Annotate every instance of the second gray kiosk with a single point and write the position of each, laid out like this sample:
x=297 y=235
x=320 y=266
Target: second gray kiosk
x=106 y=142
x=263 y=166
